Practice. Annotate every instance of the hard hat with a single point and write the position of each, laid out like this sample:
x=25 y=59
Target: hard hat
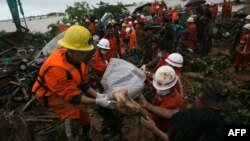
x=130 y=23
x=96 y=21
x=142 y=16
x=113 y=21
x=77 y=38
x=68 y=24
x=127 y=30
x=103 y=43
x=124 y=24
x=121 y=20
x=87 y=20
x=61 y=22
x=135 y=21
x=190 y=20
x=247 y=26
x=165 y=78
x=247 y=17
x=175 y=59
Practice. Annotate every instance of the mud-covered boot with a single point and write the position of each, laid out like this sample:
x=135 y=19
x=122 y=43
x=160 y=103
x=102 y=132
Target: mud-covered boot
x=71 y=129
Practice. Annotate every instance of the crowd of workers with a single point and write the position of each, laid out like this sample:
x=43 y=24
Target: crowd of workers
x=155 y=46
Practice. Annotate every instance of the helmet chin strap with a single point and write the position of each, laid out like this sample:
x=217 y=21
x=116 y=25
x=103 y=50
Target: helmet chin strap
x=163 y=92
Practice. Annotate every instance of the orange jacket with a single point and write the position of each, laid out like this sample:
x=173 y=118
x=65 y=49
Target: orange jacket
x=62 y=28
x=98 y=63
x=92 y=28
x=53 y=76
x=171 y=101
x=152 y=9
x=192 y=29
x=133 y=41
x=175 y=15
x=162 y=61
x=112 y=53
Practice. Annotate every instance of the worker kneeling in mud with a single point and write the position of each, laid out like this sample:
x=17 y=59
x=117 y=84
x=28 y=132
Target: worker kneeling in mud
x=62 y=83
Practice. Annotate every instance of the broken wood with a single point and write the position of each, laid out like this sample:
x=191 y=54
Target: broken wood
x=39 y=120
x=28 y=103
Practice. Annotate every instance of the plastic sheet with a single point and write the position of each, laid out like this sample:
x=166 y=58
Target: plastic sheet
x=122 y=75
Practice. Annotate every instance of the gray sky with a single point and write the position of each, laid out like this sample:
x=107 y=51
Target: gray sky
x=40 y=7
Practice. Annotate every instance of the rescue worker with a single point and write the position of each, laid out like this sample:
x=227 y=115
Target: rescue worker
x=236 y=34
x=62 y=83
x=175 y=60
x=243 y=49
x=166 y=98
x=99 y=58
x=61 y=27
x=109 y=34
x=226 y=9
x=192 y=29
x=124 y=36
x=92 y=27
x=214 y=10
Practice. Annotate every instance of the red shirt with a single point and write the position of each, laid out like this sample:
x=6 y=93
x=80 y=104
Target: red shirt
x=173 y=100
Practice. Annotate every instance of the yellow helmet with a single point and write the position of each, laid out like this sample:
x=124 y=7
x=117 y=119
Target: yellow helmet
x=124 y=24
x=113 y=21
x=77 y=38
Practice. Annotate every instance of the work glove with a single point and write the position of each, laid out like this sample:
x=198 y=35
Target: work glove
x=99 y=95
x=102 y=102
x=143 y=67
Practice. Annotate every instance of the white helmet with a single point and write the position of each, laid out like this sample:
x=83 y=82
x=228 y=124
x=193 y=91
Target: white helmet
x=104 y=44
x=127 y=30
x=68 y=24
x=175 y=59
x=247 y=17
x=135 y=21
x=142 y=16
x=96 y=21
x=165 y=78
x=61 y=22
x=190 y=20
x=247 y=26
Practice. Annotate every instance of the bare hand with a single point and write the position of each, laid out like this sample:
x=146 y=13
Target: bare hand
x=148 y=123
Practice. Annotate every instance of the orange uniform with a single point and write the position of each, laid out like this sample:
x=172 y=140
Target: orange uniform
x=192 y=29
x=133 y=41
x=112 y=53
x=243 y=50
x=58 y=83
x=173 y=100
x=99 y=64
x=92 y=28
x=162 y=61
x=62 y=28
